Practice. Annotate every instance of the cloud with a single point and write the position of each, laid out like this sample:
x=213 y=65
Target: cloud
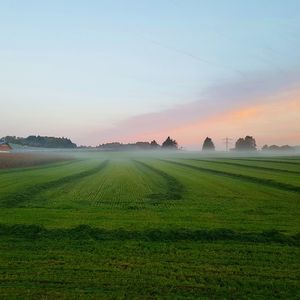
x=273 y=122
x=239 y=100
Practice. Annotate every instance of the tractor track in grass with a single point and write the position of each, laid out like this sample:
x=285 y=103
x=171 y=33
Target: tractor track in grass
x=174 y=188
x=247 y=166
x=252 y=179
x=19 y=198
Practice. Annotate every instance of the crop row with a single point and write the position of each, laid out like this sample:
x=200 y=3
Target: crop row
x=253 y=179
x=20 y=197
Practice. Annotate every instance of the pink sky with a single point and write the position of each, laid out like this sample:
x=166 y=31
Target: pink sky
x=104 y=71
x=271 y=116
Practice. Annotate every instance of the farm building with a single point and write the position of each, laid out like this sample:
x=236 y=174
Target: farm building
x=5 y=147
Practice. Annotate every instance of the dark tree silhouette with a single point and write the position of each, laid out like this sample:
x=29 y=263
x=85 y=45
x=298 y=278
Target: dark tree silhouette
x=277 y=148
x=41 y=141
x=246 y=144
x=208 y=145
x=154 y=144
x=287 y=148
x=117 y=146
x=170 y=144
x=274 y=148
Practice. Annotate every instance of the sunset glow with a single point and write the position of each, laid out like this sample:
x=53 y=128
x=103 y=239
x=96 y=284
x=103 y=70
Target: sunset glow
x=109 y=71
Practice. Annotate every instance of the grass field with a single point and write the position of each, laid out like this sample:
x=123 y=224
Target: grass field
x=139 y=225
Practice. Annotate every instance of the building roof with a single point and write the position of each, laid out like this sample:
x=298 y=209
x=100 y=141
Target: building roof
x=5 y=147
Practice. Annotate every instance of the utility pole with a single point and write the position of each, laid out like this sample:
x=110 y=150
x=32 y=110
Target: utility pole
x=227 y=141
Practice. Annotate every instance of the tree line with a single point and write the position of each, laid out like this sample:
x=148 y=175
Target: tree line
x=247 y=143
x=242 y=144
x=153 y=145
x=40 y=141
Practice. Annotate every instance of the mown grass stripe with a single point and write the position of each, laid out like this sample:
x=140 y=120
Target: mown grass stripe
x=19 y=198
x=83 y=232
x=290 y=162
x=174 y=189
x=246 y=166
x=261 y=181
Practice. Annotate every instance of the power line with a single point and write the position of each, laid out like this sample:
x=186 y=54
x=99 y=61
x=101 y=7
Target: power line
x=227 y=141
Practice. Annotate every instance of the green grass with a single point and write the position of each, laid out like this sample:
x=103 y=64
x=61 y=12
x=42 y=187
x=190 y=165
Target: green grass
x=133 y=225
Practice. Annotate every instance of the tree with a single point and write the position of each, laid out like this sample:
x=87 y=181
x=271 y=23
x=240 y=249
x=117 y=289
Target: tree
x=246 y=144
x=208 y=145
x=170 y=144
x=287 y=148
x=274 y=148
x=154 y=144
x=278 y=148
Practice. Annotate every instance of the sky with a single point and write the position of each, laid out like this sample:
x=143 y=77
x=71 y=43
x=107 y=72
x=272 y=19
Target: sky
x=136 y=70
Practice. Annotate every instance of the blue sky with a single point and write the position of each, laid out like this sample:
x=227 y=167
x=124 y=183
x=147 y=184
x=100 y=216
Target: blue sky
x=80 y=68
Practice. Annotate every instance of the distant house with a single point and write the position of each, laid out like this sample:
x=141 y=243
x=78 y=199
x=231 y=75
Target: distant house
x=5 y=147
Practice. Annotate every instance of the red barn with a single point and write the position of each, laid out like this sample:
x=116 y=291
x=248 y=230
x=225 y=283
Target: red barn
x=5 y=147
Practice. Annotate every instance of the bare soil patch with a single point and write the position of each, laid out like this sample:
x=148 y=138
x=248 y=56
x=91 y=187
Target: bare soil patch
x=19 y=160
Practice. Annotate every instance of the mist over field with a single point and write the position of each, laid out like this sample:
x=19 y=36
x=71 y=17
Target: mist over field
x=69 y=216
x=149 y=149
